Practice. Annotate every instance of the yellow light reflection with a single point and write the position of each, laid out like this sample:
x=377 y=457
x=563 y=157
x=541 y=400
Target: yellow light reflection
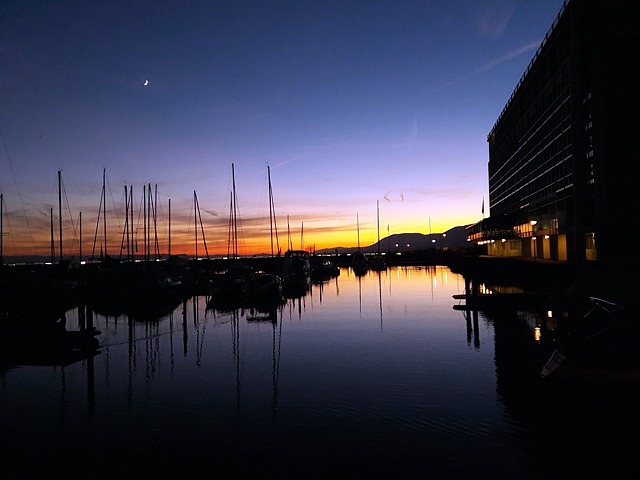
x=537 y=334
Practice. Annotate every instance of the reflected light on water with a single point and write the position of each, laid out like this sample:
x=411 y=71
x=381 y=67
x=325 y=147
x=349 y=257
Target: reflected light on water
x=373 y=375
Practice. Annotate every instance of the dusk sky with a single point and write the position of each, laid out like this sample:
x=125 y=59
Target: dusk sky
x=349 y=103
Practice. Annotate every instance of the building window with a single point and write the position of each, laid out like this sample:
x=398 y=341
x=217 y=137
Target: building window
x=590 y=241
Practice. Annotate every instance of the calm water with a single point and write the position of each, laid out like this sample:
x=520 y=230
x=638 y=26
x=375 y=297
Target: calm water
x=363 y=376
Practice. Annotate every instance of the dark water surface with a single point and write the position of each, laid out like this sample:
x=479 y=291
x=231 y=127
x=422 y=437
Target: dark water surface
x=373 y=376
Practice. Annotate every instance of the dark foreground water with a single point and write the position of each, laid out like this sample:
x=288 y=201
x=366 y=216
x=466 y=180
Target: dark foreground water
x=363 y=377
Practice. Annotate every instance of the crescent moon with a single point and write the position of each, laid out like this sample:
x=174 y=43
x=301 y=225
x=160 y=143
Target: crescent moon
x=146 y=82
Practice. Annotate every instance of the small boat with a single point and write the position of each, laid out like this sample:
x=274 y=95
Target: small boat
x=263 y=285
x=46 y=345
x=296 y=273
x=377 y=262
x=323 y=268
x=359 y=264
x=601 y=346
x=296 y=262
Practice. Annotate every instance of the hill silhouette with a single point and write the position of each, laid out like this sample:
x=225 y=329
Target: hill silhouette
x=454 y=238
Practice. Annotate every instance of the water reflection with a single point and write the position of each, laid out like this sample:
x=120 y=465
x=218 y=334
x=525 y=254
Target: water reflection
x=374 y=374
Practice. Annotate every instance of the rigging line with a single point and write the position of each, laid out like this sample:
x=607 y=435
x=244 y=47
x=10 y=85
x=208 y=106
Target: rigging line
x=95 y=235
x=204 y=240
x=125 y=228
x=114 y=209
x=73 y=225
x=155 y=222
x=153 y=200
x=185 y=244
x=7 y=222
x=13 y=175
x=272 y=214
x=140 y=214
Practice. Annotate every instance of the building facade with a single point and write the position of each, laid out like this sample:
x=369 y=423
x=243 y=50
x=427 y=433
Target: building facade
x=562 y=154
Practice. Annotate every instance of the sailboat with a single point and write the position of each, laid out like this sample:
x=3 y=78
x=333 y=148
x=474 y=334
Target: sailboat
x=359 y=263
x=265 y=288
x=296 y=269
x=230 y=288
x=377 y=262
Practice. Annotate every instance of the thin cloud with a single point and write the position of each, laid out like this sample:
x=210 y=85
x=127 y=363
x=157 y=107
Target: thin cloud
x=505 y=58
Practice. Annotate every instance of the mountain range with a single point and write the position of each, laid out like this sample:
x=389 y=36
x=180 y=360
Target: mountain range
x=453 y=238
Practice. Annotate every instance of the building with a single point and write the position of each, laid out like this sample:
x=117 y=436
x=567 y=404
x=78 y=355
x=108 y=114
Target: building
x=562 y=182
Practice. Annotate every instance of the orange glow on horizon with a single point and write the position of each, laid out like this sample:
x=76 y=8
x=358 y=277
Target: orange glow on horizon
x=256 y=242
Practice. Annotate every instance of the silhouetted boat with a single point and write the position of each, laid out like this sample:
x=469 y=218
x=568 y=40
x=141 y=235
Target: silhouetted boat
x=602 y=346
x=38 y=336
x=359 y=263
x=296 y=273
x=322 y=268
x=377 y=262
x=264 y=285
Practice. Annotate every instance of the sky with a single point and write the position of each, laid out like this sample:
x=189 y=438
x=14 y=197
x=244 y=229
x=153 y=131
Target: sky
x=363 y=118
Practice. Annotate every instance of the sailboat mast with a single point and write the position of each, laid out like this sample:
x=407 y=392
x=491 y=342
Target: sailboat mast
x=235 y=218
x=53 y=253
x=198 y=217
x=149 y=216
x=169 y=249
x=104 y=210
x=195 y=221
x=229 y=236
x=270 y=209
x=132 y=248
x=1 y=226
x=80 y=241
x=60 y=209
x=144 y=222
x=358 y=228
x=156 y=245
x=378 y=213
x=125 y=232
